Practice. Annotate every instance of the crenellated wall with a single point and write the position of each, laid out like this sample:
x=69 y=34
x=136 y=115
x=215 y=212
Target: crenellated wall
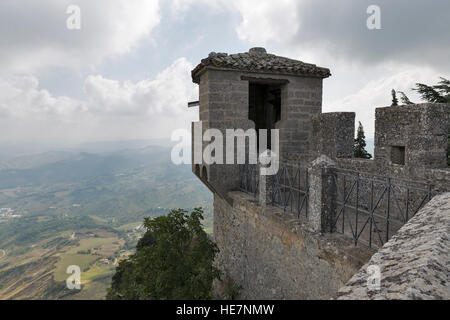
x=274 y=254
x=422 y=130
x=333 y=134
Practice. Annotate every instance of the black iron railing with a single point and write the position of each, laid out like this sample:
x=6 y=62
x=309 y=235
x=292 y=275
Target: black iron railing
x=370 y=209
x=249 y=178
x=367 y=208
x=290 y=189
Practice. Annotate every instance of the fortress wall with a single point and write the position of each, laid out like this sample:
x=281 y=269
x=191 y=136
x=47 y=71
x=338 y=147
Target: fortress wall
x=410 y=143
x=414 y=264
x=438 y=178
x=273 y=255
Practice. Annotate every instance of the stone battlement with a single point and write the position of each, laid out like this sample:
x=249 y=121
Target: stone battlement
x=332 y=205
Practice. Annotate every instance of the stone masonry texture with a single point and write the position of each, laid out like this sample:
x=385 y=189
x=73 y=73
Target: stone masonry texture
x=273 y=255
x=334 y=134
x=415 y=263
x=421 y=129
x=258 y=60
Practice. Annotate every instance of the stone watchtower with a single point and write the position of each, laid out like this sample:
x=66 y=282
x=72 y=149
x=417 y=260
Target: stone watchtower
x=261 y=91
x=297 y=234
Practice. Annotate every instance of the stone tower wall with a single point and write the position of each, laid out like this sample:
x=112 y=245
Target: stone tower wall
x=224 y=104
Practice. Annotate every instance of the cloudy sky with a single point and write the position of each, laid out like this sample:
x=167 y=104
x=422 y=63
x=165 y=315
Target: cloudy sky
x=125 y=74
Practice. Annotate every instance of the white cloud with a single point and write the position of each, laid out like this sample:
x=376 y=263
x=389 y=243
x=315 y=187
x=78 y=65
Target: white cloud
x=365 y=64
x=262 y=21
x=412 y=31
x=150 y=108
x=33 y=34
x=266 y=20
x=377 y=93
x=167 y=94
x=20 y=97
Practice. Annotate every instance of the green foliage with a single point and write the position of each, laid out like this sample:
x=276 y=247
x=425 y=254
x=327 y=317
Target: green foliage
x=404 y=98
x=113 y=189
x=359 y=148
x=29 y=230
x=118 y=188
x=174 y=260
x=439 y=93
x=394 y=98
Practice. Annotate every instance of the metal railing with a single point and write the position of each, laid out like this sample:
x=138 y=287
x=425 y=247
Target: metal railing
x=290 y=190
x=370 y=209
x=366 y=208
x=249 y=178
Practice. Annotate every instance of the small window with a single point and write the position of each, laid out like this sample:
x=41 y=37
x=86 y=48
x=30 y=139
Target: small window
x=398 y=155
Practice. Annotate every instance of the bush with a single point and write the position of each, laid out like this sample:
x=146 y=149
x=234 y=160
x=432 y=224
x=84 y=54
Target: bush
x=174 y=260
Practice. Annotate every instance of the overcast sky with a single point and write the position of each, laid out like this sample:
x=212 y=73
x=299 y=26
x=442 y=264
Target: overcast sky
x=126 y=73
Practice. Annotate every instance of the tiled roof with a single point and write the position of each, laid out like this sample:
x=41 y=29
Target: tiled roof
x=258 y=60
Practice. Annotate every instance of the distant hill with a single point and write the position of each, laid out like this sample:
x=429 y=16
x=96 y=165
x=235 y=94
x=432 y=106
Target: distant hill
x=80 y=207
x=34 y=160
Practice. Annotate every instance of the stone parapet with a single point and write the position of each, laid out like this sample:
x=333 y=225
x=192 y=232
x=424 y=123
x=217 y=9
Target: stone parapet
x=333 y=134
x=414 y=264
x=322 y=194
x=272 y=254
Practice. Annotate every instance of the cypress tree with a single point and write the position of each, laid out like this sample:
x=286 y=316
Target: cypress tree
x=394 y=98
x=359 y=148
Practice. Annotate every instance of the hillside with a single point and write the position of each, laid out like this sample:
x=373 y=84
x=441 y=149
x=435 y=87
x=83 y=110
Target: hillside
x=83 y=208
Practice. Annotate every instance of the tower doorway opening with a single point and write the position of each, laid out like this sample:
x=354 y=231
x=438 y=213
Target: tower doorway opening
x=264 y=109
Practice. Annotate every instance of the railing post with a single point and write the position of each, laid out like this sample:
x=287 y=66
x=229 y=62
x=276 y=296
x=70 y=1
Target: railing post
x=322 y=194
x=266 y=182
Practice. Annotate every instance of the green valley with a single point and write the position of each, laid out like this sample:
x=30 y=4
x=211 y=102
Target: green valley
x=84 y=209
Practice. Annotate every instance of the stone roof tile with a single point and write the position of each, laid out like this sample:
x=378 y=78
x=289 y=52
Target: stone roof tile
x=258 y=60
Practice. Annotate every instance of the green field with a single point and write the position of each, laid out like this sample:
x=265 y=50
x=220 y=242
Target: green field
x=83 y=210
x=95 y=254
x=84 y=261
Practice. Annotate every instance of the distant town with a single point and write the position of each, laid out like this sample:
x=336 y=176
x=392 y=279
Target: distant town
x=8 y=213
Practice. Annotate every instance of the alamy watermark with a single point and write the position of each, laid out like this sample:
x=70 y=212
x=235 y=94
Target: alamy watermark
x=73 y=282
x=73 y=22
x=374 y=19
x=214 y=147
x=374 y=278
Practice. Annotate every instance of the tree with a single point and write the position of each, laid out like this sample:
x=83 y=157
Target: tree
x=359 y=148
x=439 y=93
x=404 y=98
x=394 y=98
x=173 y=261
